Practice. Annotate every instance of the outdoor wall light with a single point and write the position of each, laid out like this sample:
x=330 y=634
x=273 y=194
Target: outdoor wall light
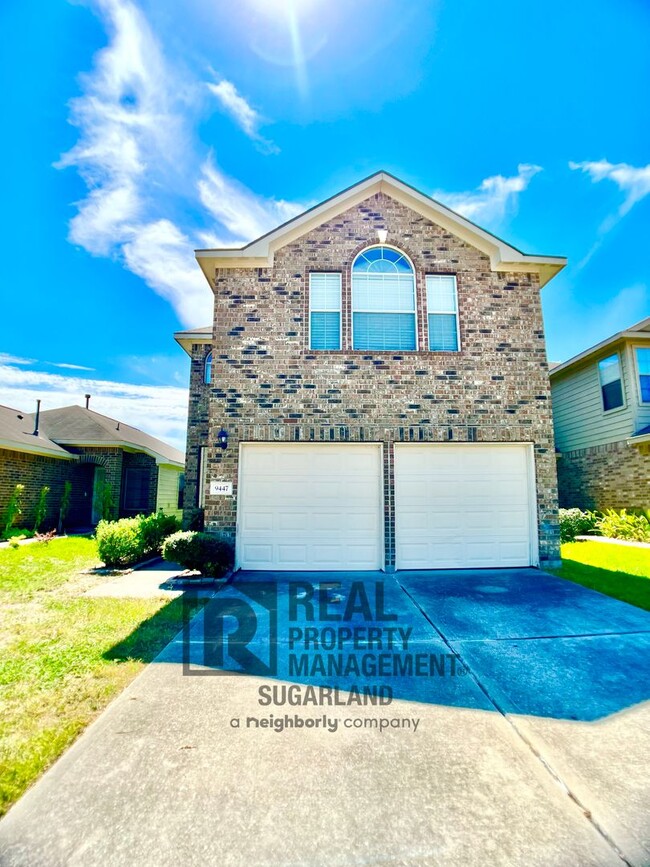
x=222 y=439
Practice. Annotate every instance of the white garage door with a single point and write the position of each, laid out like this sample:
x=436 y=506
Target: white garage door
x=463 y=506
x=308 y=506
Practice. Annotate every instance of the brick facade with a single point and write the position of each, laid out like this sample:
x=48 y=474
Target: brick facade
x=33 y=471
x=612 y=476
x=268 y=386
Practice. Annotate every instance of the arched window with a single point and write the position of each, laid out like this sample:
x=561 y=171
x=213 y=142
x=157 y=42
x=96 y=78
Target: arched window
x=383 y=300
x=207 y=368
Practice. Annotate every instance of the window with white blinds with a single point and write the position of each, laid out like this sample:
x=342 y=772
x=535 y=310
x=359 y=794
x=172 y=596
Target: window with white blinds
x=383 y=301
x=324 y=310
x=442 y=310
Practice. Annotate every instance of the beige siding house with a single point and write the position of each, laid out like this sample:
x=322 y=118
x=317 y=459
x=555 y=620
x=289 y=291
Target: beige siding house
x=601 y=410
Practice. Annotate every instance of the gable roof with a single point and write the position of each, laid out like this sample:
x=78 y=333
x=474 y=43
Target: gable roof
x=638 y=331
x=17 y=435
x=259 y=253
x=77 y=426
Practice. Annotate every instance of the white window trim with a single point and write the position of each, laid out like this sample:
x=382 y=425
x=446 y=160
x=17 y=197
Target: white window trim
x=316 y=310
x=637 y=371
x=413 y=312
x=622 y=381
x=442 y=312
x=207 y=364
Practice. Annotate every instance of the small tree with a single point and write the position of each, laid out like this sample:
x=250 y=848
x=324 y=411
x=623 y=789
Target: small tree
x=13 y=510
x=41 y=508
x=65 y=505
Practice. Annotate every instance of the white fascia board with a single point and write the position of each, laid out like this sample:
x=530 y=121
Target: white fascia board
x=127 y=447
x=13 y=446
x=259 y=253
x=637 y=336
x=186 y=339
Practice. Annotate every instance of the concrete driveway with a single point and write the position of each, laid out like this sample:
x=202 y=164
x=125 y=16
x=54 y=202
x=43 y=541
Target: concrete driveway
x=520 y=736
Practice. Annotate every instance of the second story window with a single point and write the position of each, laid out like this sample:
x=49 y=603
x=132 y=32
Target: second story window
x=442 y=310
x=643 y=365
x=324 y=310
x=611 y=387
x=207 y=368
x=383 y=301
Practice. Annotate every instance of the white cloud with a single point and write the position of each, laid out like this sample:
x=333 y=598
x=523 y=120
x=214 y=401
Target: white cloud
x=69 y=366
x=493 y=197
x=244 y=115
x=5 y=358
x=159 y=410
x=163 y=257
x=243 y=213
x=631 y=180
x=138 y=156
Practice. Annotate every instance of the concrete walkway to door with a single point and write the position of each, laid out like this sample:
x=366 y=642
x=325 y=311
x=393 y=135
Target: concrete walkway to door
x=532 y=752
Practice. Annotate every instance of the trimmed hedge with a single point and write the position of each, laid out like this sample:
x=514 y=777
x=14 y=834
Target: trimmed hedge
x=124 y=542
x=205 y=552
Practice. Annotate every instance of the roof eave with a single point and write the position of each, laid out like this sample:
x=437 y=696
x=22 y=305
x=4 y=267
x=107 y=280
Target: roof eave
x=260 y=253
x=619 y=337
x=15 y=446
x=187 y=339
x=122 y=444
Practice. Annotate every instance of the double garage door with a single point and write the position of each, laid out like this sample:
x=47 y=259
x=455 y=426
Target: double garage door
x=321 y=507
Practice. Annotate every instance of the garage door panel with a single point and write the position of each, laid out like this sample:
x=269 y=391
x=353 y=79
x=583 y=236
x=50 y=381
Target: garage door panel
x=462 y=506
x=310 y=506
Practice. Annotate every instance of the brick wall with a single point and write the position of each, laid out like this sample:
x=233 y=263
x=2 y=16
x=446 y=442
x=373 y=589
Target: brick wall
x=33 y=471
x=612 y=476
x=267 y=385
x=197 y=431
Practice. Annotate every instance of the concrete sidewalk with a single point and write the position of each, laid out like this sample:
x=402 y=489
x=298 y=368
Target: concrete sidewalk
x=166 y=777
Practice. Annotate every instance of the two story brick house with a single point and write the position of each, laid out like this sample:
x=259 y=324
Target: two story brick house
x=373 y=392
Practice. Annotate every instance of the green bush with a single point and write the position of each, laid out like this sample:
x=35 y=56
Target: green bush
x=574 y=522
x=156 y=528
x=120 y=543
x=623 y=525
x=208 y=553
x=123 y=542
x=13 y=510
x=41 y=508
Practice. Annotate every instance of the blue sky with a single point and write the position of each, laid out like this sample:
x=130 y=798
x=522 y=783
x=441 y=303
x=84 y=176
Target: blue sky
x=137 y=131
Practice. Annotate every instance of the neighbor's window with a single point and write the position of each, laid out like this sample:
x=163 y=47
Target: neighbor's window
x=609 y=371
x=643 y=365
x=207 y=368
x=383 y=300
x=136 y=489
x=324 y=311
x=442 y=310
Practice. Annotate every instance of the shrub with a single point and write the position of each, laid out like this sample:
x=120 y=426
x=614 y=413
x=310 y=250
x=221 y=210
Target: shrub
x=156 y=528
x=205 y=552
x=623 y=525
x=574 y=522
x=128 y=540
x=119 y=543
x=41 y=508
x=13 y=510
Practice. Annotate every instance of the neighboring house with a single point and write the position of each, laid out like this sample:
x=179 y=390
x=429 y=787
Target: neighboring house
x=601 y=407
x=373 y=392
x=104 y=459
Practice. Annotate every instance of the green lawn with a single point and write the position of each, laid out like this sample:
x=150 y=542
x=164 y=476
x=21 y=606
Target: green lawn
x=620 y=571
x=63 y=656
